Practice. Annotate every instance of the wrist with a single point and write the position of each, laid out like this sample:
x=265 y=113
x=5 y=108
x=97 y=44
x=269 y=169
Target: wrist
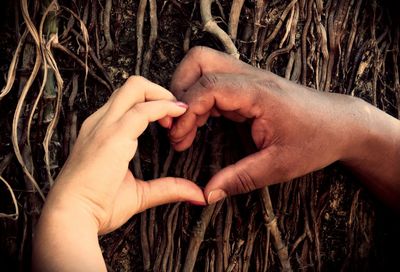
x=373 y=152
x=370 y=131
x=68 y=207
x=66 y=240
x=357 y=125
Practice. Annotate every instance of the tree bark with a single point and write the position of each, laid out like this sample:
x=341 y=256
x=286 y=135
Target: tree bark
x=324 y=221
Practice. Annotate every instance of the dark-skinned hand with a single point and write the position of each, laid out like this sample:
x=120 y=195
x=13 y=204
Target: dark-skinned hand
x=296 y=129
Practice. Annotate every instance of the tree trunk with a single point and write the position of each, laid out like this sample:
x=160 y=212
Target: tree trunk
x=323 y=221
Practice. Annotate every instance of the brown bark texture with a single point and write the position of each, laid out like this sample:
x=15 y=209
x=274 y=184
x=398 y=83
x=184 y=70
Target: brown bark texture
x=60 y=60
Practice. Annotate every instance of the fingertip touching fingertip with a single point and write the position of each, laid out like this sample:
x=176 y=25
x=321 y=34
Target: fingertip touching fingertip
x=216 y=195
x=182 y=104
x=197 y=203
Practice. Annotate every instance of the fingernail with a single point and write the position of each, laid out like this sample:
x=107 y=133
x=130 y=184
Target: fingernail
x=197 y=203
x=169 y=123
x=215 y=196
x=181 y=104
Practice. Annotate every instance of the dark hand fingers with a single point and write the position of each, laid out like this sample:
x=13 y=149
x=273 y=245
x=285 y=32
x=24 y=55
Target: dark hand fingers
x=234 y=116
x=255 y=171
x=225 y=93
x=186 y=141
x=203 y=60
x=201 y=120
x=166 y=122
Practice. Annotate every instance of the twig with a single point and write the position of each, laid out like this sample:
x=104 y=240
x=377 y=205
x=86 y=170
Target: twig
x=82 y=64
x=156 y=172
x=5 y=161
x=211 y=26
x=139 y=34
x=290 y=45
x=234 y=18
x=85 y=36
x=200 y=228
x=353 y=33
x=227 y=232
x=72 y=115
x=235 y=256
x=395 y=55
x=279 y=24
x=106 y=28
x=271 y=224
x=296 y=67
x=336 y=24
x=267 y=247
x=52 y=91
x=13 y=66
x=152 y=37
x=252 y=231
x=96 y=60
x=219 y=259
x=168 y=254
x=21 y=100
x=171 y=258
x=304 y=41
x=260 y=6
x=289 y=66
x=15 y=215
x=137 y=169
x=288 y=27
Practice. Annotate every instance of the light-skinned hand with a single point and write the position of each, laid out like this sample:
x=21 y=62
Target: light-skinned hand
x=95 y=192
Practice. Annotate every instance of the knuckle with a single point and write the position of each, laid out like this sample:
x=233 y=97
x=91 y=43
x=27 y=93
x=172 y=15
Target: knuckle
x=282 y=168
x=173 y=190
x=102 y=136
x=246 y=182
x=208 y=81
x=187 y=122
x=268 y=83
x=196 y=51
x=87 y=124
x=176 y=182
x=135 y=80
x=139 y=113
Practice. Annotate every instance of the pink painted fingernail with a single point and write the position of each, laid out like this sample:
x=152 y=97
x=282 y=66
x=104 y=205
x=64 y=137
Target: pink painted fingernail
x=215 y=196
x=181 y=104
x=197 y=203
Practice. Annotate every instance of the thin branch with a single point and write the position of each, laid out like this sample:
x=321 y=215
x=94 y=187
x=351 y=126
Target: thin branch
x=211 y=26
x=13 y=216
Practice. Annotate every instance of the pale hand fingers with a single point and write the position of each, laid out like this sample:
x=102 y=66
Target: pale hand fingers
x=136 y=120
x=135 y=196
x=170 y=189
x=95 y=117
x=135 y=90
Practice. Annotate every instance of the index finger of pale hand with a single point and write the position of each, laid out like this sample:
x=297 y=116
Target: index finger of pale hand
x=135 y=90
x=136 y=120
